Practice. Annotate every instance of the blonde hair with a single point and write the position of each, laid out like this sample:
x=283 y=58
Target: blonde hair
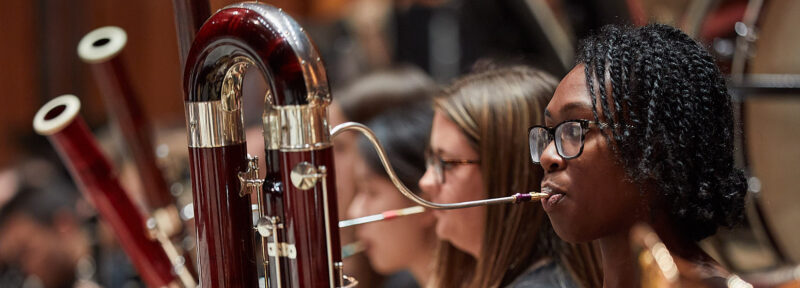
x=494 y=109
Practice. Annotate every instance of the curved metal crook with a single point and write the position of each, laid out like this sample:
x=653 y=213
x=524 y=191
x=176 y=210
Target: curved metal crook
x=513 y=199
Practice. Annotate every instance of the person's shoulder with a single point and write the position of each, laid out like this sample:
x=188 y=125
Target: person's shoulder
x=401 y=279
x=548 y=275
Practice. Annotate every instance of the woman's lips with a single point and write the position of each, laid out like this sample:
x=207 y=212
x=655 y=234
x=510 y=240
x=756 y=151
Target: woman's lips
x=554 y=197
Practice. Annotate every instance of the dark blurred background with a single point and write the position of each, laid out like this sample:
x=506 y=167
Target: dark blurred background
x=442 y=37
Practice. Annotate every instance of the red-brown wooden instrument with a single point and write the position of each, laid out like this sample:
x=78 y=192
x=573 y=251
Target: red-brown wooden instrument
x=60 y=122
x=298 y=219
x=101 y=49
x=189 y=16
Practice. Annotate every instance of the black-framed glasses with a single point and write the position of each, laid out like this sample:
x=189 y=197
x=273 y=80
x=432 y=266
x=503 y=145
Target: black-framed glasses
x=569 y=137
x=439 y=165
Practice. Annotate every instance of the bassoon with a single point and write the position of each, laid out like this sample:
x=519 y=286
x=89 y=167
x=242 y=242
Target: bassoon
x=150 y=251
x=297 y=218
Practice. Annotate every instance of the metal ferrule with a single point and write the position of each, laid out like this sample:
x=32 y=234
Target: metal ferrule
x=296 y=127
x=209 y=125
x=286 y=128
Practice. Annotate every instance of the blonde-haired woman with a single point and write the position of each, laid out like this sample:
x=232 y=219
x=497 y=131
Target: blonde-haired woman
x=478 y=149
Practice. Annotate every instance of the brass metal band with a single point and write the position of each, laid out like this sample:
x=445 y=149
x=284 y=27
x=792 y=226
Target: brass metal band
x=288 y=128
x=297 y=127
x=209 y=125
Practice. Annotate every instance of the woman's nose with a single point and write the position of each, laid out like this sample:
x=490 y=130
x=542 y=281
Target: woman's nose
x=356 y=208
x=428 y=183
x=550 y=160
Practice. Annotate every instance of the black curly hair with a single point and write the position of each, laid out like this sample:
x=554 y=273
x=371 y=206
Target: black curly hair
x=671 y=122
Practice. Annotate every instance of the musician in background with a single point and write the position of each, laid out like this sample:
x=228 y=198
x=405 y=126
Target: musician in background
x=407 y=243
x=644 y=133
x=477 y=134
x=363 y=99
x=360 y=101
x=43 y=242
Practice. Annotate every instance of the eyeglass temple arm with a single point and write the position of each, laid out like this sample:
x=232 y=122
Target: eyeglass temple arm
x=513 y=199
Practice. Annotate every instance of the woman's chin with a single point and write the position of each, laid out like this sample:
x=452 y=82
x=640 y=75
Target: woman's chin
x=381 y=267
x=568 y=231
x=568 y=236
x=441 y=232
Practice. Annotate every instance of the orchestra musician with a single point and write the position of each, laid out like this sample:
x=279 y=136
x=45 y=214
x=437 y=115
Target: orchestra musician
x=643 y=131
x=360 y=101
x=45 y=240
x=407 y=243
x=474 y=154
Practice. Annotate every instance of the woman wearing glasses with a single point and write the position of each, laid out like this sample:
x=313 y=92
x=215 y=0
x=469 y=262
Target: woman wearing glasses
x=361 y=101
x=643 y=131
x=477 y=137
x=406 y=243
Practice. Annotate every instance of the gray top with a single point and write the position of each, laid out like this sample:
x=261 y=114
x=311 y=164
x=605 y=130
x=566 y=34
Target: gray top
x=544 y=276
x=402 y=279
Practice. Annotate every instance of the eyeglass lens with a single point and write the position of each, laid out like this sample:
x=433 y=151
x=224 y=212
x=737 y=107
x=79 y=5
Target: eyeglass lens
x=569 y=140
x=433 y=161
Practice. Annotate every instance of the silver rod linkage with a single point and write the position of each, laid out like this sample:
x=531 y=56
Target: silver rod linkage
x=513 y=199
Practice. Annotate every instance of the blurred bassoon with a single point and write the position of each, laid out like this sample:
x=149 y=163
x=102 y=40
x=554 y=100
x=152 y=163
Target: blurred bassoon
x=189 y=16
x=150 y=251
x=101 y=49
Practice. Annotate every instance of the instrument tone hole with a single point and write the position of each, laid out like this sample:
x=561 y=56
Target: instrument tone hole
x=101 y=42
x=55 y=112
